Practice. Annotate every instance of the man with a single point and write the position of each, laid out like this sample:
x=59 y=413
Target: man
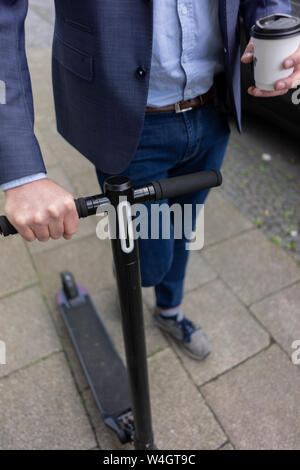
x=139 y=88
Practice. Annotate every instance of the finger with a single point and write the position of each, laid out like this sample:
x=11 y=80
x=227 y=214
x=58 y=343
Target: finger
x=258 y=93
x=23 y=229
x=26 y=233
x=41 y=232
x=68 y=237
x=56 y=228
x=70 y=225
x=293 y=81
x=247 y=57
x=293 y=60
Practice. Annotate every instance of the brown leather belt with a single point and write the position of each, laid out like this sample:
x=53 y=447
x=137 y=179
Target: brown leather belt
x=184 y=106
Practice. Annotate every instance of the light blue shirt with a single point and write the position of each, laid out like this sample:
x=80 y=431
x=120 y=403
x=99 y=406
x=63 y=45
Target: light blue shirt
x=187 y=54
x=187 y=50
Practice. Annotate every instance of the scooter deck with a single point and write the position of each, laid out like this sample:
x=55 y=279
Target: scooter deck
x=102 y=365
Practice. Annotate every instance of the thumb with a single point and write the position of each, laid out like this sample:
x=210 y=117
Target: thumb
x=247 y=57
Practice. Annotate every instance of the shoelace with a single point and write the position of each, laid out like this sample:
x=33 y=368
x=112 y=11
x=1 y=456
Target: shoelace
x=187 y=327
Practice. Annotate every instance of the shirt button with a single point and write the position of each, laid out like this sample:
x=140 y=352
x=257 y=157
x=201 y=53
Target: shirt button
x=190 y=91
x=140 y=73
x=184 y=10
x=185 y=58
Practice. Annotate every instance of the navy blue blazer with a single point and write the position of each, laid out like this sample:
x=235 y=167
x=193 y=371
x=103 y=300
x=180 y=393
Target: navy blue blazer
x=101 y=65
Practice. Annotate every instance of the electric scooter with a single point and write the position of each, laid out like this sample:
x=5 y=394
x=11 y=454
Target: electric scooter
x=122 y=396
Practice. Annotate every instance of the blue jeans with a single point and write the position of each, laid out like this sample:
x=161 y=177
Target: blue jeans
x=174 y=144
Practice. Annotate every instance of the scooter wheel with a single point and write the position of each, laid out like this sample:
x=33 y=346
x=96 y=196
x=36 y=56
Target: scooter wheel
x=69 y=285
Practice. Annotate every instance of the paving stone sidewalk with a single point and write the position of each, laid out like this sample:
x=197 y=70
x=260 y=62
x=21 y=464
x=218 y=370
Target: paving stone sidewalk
x=241 y=288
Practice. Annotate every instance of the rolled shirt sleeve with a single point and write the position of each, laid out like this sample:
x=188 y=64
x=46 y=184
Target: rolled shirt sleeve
x=20 y=181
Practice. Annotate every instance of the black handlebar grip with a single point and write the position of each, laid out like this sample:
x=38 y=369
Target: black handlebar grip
x=185 y=184
x=6 y=228
x=81 y=207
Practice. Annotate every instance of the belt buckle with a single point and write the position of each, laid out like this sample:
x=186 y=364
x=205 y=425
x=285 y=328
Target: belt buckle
x=179 y=110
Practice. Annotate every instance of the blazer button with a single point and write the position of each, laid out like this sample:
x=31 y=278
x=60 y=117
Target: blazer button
x=140 y=73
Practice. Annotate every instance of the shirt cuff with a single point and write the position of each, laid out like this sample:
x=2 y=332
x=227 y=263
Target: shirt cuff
x=21 y=181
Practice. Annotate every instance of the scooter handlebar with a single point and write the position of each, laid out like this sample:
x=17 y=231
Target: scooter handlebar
x=162 y=189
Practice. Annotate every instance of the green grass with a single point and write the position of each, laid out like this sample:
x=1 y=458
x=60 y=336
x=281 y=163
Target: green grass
x=276 y=239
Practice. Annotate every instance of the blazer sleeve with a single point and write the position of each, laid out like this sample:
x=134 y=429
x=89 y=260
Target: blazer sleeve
x=252 y=10
x=20 y=153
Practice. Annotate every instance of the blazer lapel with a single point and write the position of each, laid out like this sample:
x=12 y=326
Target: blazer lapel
x=229 y=10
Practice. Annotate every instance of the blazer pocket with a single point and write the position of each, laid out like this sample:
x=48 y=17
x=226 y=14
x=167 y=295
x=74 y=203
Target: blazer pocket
x=79 y=26
x=77 y=62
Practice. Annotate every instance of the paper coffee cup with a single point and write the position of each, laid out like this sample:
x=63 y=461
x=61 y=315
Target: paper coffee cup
x=275 y=38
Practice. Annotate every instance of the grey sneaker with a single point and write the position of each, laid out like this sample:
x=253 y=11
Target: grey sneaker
x=192 y=340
